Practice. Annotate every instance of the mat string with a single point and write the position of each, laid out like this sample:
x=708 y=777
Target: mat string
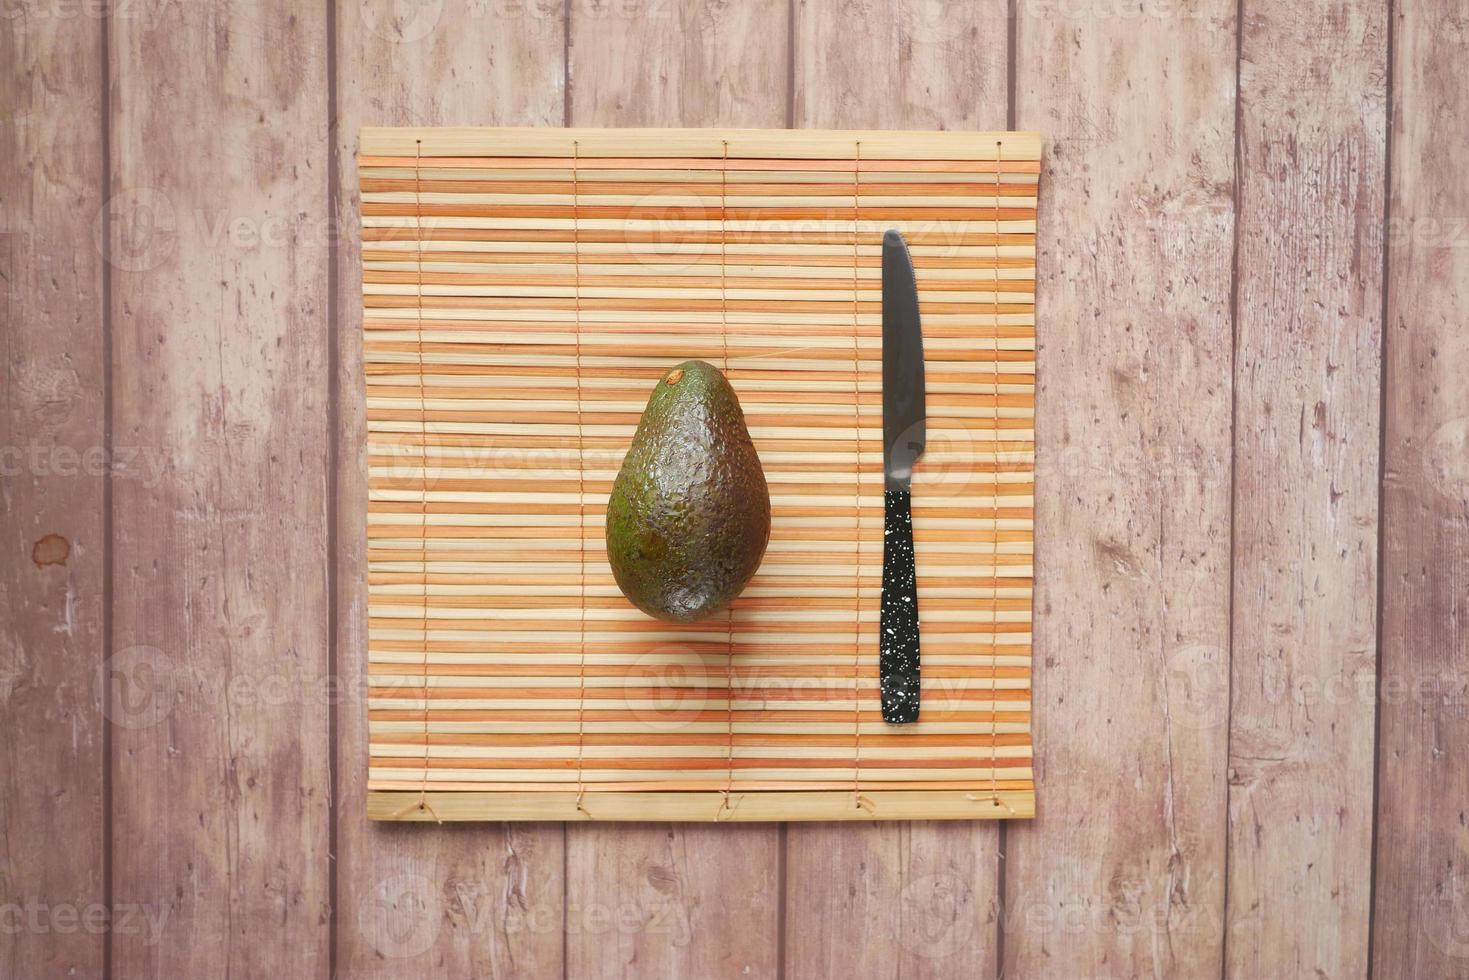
x=421 y=805
x=581 y=488
x=724 y=805
x=995 y=503
x=422 y=802
x=989 y=799
x=857 y=797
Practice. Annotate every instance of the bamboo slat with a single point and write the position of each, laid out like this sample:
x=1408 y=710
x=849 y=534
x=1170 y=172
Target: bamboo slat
x=522 y=292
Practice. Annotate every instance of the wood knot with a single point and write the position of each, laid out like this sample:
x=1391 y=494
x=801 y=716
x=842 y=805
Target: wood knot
x=53 y=549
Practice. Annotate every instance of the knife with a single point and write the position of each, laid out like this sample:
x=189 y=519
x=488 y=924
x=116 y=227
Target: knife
x=903 y=438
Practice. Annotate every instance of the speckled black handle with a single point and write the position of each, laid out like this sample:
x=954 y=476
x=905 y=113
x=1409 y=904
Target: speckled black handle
x=897 y=638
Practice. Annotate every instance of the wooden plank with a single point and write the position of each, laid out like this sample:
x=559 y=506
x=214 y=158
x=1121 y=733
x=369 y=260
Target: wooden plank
x=221 y=799
x=53 y=468
x=426 y=901
x=925 y=894
x=695 y=900
x=750 y=150
x=1420 y=915
x=1132 y=545
x=1308 y=369
x=744 y=807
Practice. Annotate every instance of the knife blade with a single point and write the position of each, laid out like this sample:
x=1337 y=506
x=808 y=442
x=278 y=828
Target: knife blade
x=904 y=425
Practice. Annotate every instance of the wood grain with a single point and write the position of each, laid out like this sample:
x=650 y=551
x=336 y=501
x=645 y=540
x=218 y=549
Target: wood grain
x=1309 y=282
x=923 y=64
x=680 y=63
x=221 y=799
x=52 y=478
x=1132 y=547
x=926 y=893
x=1421 y=908
x=472 y=900
x=718 y=887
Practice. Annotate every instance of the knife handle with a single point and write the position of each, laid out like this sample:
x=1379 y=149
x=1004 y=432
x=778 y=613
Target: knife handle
x=897 y=637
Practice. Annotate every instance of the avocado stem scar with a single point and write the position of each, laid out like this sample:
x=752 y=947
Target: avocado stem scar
x=674 y=377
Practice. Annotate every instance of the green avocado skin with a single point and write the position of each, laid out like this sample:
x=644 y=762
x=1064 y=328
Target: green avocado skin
x=689 y=515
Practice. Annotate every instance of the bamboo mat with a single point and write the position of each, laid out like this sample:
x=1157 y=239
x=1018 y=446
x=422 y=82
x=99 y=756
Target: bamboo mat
x=523 y=290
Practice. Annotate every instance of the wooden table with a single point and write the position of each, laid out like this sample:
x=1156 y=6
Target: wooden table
x=1252 y=568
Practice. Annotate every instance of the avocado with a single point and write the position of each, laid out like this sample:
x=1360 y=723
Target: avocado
x=689 y=515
